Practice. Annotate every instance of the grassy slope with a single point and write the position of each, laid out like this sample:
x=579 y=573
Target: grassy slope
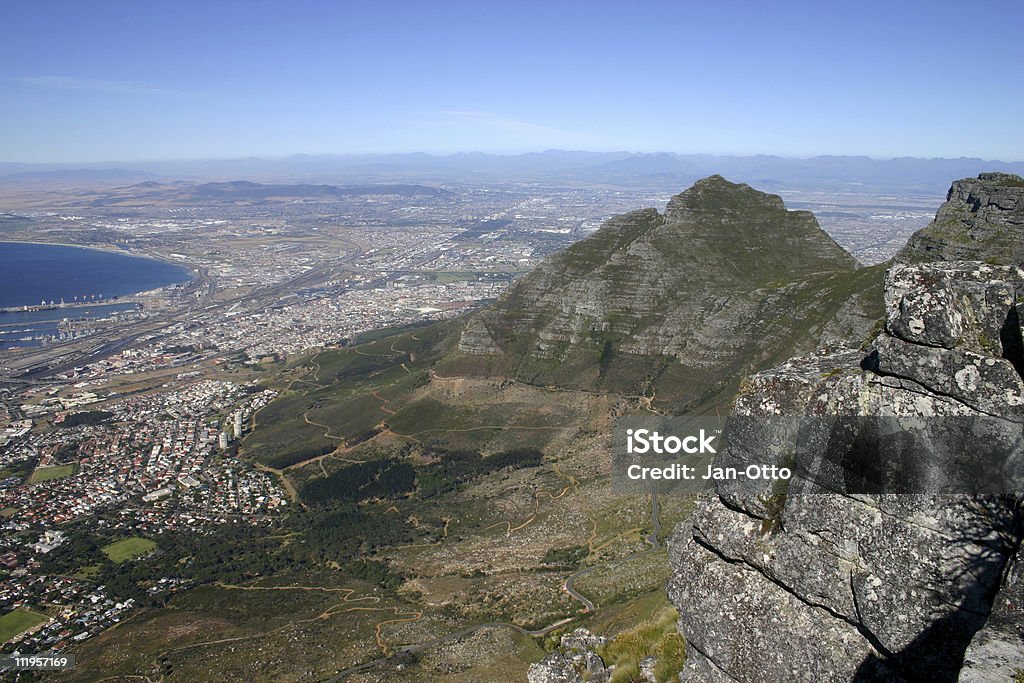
x=48 y=473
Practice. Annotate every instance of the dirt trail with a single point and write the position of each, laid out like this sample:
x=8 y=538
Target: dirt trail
x=383 y=402
x=416 y=616
x=572 y=485
x=400 y=614
x=293 y=495
x=326 y=428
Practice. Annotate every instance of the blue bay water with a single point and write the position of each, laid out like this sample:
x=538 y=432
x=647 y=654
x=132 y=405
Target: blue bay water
x=30 y=273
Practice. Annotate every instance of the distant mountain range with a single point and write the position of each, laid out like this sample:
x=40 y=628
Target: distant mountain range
x=656 y=170
x=151 y=192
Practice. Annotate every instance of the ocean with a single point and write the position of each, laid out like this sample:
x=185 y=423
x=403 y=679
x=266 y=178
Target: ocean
x=31 y=274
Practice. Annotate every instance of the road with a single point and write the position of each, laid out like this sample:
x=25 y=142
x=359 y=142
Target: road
x=651 y=538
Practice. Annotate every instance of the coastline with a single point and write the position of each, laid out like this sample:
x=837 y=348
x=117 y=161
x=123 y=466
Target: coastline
x=190 y=270
x=106 y=248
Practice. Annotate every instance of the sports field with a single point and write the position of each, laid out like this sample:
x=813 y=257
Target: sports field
x=21 y=619
x=128 y=548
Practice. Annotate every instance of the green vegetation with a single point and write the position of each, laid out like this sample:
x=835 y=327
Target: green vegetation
x=385 y=332
x=727 y=250
x=19 y=469
x=656 y=637
x=89 y=417
x=343 y=533
x=344 y=398
x=604 y=360
x=607 y=584
x=88 y=572
x=565 y=558
x=181 y=348
x=374 y=571
x=386 y=478
x=48 y=473
x=68 y=452
x=457 y=467
x=774 y=505
x=8 y=512
x=228 y=554
x=18 y=621
x=128 y=548
x=266 y=621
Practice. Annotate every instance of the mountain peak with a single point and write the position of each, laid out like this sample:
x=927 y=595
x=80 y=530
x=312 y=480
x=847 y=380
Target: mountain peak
x=715 y=193
x=716 y=179
x=671 y=303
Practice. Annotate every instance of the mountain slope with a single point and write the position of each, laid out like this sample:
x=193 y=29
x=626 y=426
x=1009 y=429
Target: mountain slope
x=675 y=305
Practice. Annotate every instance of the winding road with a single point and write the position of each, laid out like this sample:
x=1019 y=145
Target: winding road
x=651 y=538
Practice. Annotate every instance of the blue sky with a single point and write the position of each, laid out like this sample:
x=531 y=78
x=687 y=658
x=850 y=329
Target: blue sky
x=92 y=81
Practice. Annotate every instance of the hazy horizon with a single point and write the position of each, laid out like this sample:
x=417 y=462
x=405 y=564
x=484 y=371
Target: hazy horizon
x=478 y=153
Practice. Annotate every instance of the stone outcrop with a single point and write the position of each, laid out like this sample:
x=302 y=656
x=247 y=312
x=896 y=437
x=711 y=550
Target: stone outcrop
x=781 y=586
x=575 y=660
x=996 y=653
x=678 y=304
x=981 y=220
x=828 y=579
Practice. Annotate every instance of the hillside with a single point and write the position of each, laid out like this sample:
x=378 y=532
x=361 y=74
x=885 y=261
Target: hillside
x=676 y=306
x=981 y=220
x=667 y=311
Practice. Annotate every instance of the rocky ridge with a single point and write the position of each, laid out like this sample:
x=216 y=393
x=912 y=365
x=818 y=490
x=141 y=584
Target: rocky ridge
x=981 y=220
x=675 y=304
x=790 y=585
x=575 y=660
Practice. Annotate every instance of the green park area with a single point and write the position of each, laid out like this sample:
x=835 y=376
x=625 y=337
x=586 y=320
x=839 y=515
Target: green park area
x=128 y=548
x=48 y=473
x=19 y=621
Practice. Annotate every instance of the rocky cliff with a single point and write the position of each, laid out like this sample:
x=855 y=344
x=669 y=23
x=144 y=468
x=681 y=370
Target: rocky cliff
x=982 y=219
x=677 y=305
x=821 y=582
